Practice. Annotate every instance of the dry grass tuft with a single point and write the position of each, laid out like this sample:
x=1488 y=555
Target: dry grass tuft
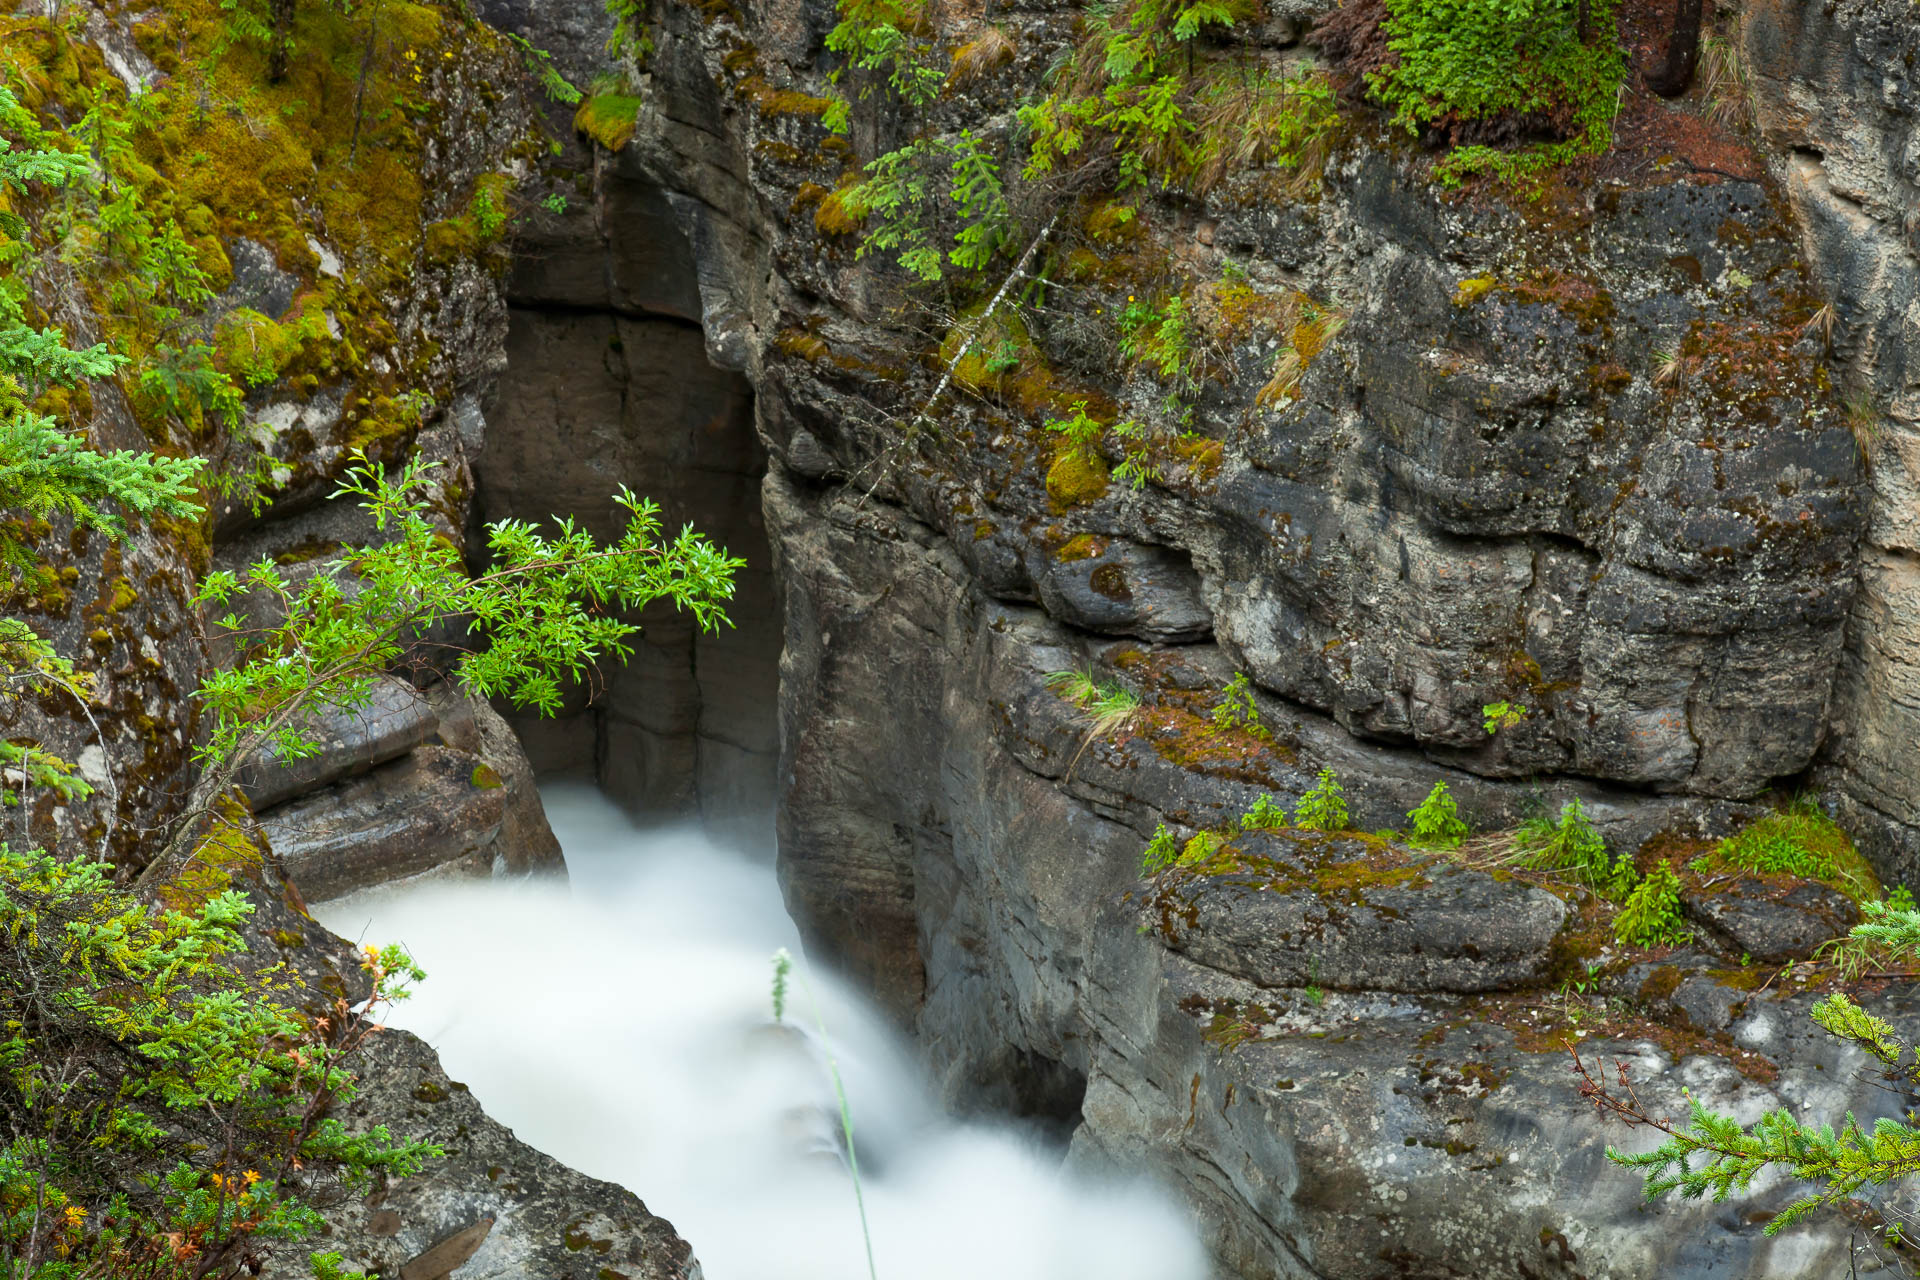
x=1251 y=118
x=981 y=56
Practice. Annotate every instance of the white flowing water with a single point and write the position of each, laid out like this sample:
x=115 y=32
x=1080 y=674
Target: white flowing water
x=623 y=1024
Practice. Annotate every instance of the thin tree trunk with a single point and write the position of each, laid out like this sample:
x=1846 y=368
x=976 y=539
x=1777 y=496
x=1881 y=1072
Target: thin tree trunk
x=360 y=90
x=281 y=45
x=1683 y=51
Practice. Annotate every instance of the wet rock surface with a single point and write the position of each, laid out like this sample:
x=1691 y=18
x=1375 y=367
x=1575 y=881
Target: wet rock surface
x=395 y=719
x=1771 y=922
x=1837 y=100
x=1480 y=492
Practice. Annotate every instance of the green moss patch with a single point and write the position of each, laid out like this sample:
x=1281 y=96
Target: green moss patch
x=1802 y=841
x=609 y=119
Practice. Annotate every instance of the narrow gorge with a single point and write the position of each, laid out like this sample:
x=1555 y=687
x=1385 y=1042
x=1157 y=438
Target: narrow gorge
x=1307 y=639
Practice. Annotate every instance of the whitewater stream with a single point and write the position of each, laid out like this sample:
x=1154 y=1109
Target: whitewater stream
x=623 y=1024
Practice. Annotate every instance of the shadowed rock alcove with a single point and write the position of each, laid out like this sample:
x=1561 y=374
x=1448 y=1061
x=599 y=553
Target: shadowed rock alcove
x=608 y=384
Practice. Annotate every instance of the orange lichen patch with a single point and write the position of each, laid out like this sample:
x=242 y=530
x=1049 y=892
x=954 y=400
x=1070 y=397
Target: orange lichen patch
x=1583 y=300
x=1748 y=362
x=1674 y=848
x=1191 y=740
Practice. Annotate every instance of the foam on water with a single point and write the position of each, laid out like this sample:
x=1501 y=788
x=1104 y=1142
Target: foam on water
x=622 y=1024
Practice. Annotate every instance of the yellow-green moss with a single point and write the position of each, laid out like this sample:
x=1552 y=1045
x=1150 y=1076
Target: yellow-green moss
x=484 y=778
x=1472 y=290
x=609 y=119
x=1083 y=546
x=1112 y=222
x=831 y=218
x=226 y=852
x=1077 y=476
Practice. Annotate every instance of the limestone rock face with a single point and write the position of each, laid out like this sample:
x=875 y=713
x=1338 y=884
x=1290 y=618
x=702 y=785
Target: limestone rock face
x=432 y=808
x=1773 y=923
x=1336 y=1051
x=1300 y=909
x=395 y=719
x=1836 y=95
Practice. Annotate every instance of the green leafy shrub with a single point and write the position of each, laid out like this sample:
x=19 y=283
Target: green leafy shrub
x=1496 y=716
x=163 y=1106
x=1800 y=840
x=1651 y=916
x=1571 y=847
x=1435 y=822
x=1324 y=806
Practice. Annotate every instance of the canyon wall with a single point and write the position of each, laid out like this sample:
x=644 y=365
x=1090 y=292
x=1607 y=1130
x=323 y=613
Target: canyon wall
x=1483 y=486
x=355 y=268
x=1839 y=106
x=608 y=385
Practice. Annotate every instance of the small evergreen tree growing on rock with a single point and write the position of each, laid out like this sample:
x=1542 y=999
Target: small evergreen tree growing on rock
x=1324 y=806
x=1435 y=821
